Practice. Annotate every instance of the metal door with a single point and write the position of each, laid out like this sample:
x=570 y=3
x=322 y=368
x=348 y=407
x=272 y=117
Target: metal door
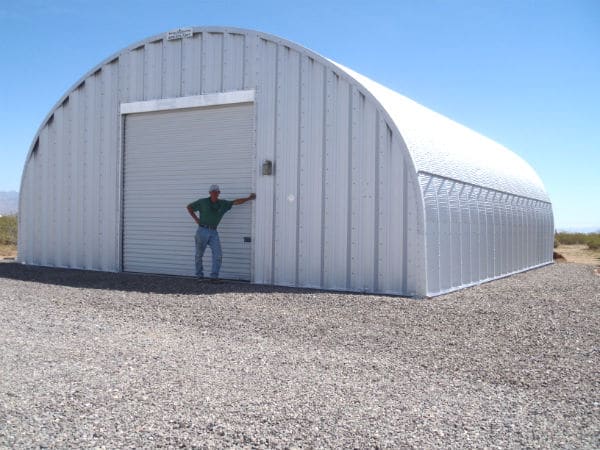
x=170 y=159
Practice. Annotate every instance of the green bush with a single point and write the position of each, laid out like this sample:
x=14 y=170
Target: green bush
x=8 y=230
x=592 y=240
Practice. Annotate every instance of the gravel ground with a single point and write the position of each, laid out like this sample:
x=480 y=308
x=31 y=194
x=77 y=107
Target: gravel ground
x=91 y=359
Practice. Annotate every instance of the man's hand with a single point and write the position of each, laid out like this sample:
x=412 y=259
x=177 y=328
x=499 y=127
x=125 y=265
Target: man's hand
x=191 y=211
x=252 y=196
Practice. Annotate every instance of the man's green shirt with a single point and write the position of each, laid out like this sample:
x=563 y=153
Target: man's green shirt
x=211 y=213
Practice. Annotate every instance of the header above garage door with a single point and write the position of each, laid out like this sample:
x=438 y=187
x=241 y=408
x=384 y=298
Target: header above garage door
x=195 y=101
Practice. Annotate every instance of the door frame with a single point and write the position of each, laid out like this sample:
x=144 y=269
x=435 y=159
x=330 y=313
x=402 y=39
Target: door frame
x=166 y=104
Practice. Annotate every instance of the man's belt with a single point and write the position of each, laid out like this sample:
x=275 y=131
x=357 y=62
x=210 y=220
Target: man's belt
x=210 y=227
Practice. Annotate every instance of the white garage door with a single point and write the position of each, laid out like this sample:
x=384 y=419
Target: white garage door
x=170 y=159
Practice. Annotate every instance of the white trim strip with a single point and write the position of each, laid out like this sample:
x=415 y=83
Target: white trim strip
x=195 y=101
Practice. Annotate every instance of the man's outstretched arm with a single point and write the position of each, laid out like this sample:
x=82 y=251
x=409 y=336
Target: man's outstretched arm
x=239 y=201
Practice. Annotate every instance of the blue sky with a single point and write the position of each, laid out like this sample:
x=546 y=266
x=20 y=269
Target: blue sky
x=525 y=73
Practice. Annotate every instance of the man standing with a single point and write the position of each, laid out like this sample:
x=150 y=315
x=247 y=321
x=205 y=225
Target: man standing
x=211 y=210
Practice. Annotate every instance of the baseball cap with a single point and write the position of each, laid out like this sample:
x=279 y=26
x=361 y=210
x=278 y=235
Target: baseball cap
x=214 y=187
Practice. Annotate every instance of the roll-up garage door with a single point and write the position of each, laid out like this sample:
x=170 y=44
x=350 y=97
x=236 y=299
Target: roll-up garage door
x=170 y=159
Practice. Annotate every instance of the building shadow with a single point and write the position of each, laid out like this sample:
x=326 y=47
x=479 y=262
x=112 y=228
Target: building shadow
x=147 y=283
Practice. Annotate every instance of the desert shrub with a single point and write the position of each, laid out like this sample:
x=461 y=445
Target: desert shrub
x=592 y=240
x=8 y=230
x=571 y=238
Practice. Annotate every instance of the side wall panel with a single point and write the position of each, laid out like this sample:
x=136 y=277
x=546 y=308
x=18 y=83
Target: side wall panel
x=394 y=205
x=363 y=203
x=483 y=234
x=266 y=103
x=310 y=218
x=430 y=187
x=287 y=155
x=337 y=184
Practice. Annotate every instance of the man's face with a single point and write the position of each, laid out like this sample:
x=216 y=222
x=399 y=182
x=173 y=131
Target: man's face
x=214 y=196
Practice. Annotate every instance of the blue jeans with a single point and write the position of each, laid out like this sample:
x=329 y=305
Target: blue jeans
x=204 y=237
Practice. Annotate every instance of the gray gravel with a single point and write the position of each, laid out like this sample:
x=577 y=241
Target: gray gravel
x=91 y=359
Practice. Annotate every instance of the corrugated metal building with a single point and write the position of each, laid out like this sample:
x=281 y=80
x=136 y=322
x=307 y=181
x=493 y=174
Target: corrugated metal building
x=369 y=191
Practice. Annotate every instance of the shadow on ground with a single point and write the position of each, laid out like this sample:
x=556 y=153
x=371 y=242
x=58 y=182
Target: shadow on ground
x=134 y=282
x=149 y=283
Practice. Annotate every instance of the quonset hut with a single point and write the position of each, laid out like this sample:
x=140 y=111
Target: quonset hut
x=358 y=187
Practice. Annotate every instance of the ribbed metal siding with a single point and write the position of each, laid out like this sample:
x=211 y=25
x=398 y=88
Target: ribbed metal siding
x=70 y=184
x=475 y=234
x=171 y=159
x=340 y=208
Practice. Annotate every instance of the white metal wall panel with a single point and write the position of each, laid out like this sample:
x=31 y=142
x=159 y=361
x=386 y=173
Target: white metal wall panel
x=385 y=264
x=110 y=168
x=286 y=181
x=498 y=229
x=337 y=184
x=466 y=233
x=475 y=235
x=172 y=73
x=63 y=151
x=455 y=234
x=171 y=158
x=212 y=62
x=46 y=175
x=433 y=237
x=69 y=159
x=414 y=236
x=488 y=236
x=507 y=235
x=533 y=232
x=394 y=208
x=488 y=212
x=513 y=229
x=310 y=205
x=363 y=257
x=250 y=66
x=90 y=174
x=63 y=130
x=153 y=70
x=191 y=70
x=446 y=262
x=541 y=227
x=265 y=147
x=233 y=62
x=134 y=67
x=76 y=114
x=44 y=209
x=520 y=241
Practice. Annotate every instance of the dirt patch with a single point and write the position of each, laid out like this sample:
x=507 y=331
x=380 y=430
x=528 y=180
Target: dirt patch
x=579 y=254
x=8 y=251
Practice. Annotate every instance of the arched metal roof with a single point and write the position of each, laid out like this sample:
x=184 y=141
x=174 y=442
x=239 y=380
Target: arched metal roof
x=441 y=146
